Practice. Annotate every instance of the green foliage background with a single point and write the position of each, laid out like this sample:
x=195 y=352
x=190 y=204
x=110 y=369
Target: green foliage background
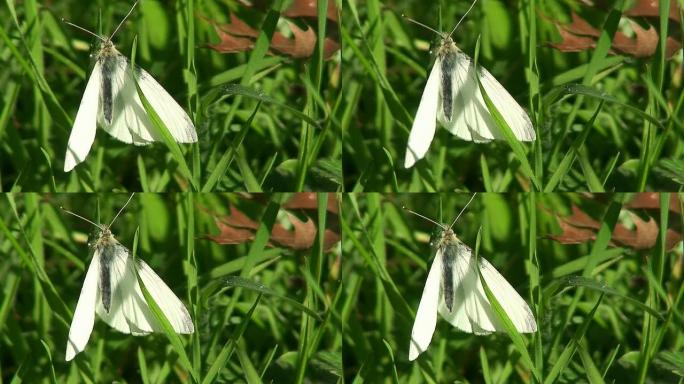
x=603 y=122
x=243 y=144
x=590 y=300
x=292 y=334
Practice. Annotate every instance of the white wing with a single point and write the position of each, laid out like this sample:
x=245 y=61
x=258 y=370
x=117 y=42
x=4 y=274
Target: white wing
x=516 y=308
x=426 y=316
x=458 y=318
x=130 y=123
x=471 y=118
x=474 y=313
x=425 y=122
x=129 y=312
x=173 y=308
x=84 y=316
x=174 y=117
x=83 y=132
x=471 y=309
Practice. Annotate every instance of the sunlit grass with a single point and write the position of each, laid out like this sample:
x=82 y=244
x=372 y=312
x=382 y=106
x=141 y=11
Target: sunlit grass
x=260 y=312
x=597 y=306
x=603 y=122
x=244 y=144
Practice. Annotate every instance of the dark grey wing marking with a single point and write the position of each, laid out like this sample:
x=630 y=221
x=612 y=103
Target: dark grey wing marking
x=108 y=64
x=449 y=255
x=448 y=64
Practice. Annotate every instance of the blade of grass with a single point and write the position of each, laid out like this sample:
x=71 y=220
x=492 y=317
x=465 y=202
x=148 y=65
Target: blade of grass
x=502 y=316
x=229 y=347
x=224 y=163
x=173 y=337
x=237 y=281
x=168 y=140
x=565 y=164
x=566 y=355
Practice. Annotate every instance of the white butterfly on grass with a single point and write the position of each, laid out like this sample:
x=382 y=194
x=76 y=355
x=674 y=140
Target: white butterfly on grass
x=111 y=290
x=454 y=290
x=111 y=98
x=452 y=96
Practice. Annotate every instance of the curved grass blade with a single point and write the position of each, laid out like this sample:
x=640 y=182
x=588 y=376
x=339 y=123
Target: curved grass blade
x=237 y=281
x=173 y=337
x=501 y=314
x=579 y=281
x=261 y=96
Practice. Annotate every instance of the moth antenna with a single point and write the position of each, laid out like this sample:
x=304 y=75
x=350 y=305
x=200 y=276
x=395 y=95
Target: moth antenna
x=124 y=19
x=422 y=25
x=121 y=210
x=81 y=217
x=463 y=210
x=462 y=18
x=83 y=29
x=424 y=217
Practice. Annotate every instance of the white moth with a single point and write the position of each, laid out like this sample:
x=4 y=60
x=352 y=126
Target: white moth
x=454 y=290
x=111 y=99
x=452 y=96
x=111 y=290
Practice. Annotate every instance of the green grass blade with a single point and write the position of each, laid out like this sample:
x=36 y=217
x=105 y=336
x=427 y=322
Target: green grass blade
x=506 y=322
x=170 y=333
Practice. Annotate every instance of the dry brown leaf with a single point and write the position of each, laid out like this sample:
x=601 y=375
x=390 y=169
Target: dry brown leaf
x=238 y=36
x=309 y=8
x=644 y=45
x=579 y=227
x=651 y=200
x=579 y=36
x=579 y=26
x=230 y=43
x=571 y=234
x=300 y=46
x=644 y=236
x=236 y=227
x=309 y=200
x=573 y=43
x=238 y=27
x=649 y=8
x=301 y=237
x=239 y=219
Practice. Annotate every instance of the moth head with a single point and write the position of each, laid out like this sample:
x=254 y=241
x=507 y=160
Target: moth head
x=442 y=231
x=446 y=40
x=101 y=231
x=106 y=45
x=97 y=234
x=439 y=234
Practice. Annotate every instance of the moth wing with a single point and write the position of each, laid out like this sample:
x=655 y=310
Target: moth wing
x=84 y=315
x=130 y=122
x=515 y=306
x=477 y=306
x=425 y=122
x=473 y=121
x=128 y=311
x=465 y=113
x=170 y=304
x=458 y=316
x=509 y=109
x=426 y=316
x=83 y=132
x=475 y=303
x=471 y=311
x=174 y=117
